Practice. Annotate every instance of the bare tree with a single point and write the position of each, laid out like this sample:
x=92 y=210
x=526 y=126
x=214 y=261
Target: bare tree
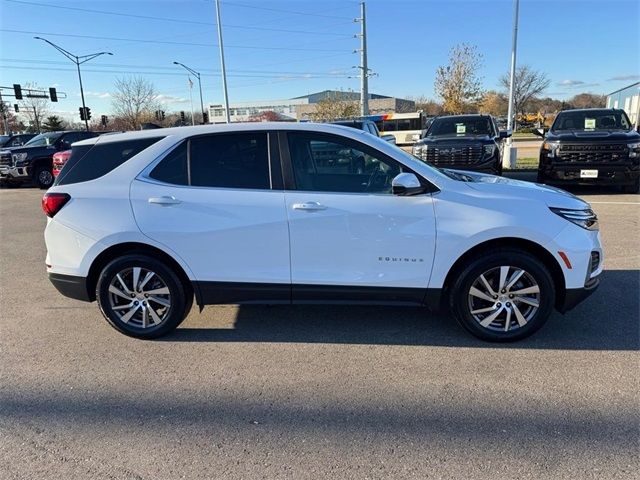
x=134 y=101
x=35 y=109
x=428 y=106
x=528 y=84
x=588 y=100
x=458 y=84
x=333 y=108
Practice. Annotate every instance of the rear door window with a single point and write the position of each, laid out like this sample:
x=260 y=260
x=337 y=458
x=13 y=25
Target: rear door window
x=89 y=162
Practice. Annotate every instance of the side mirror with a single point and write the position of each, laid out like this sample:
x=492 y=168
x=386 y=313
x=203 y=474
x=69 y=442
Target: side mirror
x=389 y=138
x=504 y=134
x=406 y=184
x=540 y=132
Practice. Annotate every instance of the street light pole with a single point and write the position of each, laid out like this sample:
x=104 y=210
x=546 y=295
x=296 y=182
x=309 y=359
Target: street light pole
x=78 y=60
x=224 y=72
x=197 y=75
x=514 y=47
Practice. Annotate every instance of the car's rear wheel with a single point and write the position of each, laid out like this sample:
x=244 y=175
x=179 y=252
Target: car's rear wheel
x=503 y=296
x=43 y=177
x=142 y=297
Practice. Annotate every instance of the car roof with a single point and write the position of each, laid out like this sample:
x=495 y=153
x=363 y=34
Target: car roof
x=183 y=132
x=596 y=109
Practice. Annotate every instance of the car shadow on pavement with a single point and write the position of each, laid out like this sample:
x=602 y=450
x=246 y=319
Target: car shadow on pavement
x=608 y=320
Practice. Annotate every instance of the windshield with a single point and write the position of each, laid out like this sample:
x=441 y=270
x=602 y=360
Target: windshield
x=461 y=126
x=43 y=140
x=590 y=120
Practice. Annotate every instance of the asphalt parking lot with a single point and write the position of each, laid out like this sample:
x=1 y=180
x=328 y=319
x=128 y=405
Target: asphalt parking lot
x=316 y=392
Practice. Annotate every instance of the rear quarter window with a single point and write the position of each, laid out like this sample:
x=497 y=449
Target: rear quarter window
x=88 y=162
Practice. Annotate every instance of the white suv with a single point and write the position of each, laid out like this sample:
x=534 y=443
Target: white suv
x=271 y=213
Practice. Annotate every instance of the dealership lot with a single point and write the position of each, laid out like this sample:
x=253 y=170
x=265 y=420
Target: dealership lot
x=309 y=392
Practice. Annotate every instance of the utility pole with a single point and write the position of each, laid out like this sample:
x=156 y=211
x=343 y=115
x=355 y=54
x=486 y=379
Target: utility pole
x=510 y=153
x=514 y=47
x=35 y=117
x=78 y=60
x=364 y=69
x=224 y=72
x=193 y=118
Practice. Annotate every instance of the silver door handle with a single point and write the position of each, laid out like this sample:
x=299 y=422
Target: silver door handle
x=164 y=200
x=310 y=206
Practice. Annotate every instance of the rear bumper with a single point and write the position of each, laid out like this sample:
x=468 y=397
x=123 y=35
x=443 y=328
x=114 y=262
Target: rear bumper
x=574 y=296
x=71 y=286
x=607 y=174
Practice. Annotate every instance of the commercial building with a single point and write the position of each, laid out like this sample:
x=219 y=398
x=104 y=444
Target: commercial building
x=628 y=99
x=302 y=108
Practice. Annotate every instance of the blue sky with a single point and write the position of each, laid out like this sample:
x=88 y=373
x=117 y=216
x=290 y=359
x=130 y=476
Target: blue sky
x=283 y=49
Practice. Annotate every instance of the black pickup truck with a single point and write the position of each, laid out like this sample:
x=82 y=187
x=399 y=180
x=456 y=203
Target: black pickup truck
x=464 y=142
x=593 y=146
x=34 y=160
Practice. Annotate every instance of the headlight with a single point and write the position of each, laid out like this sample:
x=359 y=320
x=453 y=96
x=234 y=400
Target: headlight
x=489 y=149
x=583 y=218
x=634 y=150
x=19 y=157
x=550 y=148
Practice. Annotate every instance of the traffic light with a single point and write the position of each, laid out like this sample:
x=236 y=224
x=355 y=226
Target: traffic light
x=17 y=91
x=16 y=107
x=87 y=113
x=157 y=112
x=53 y=95
x=182 y=116
x=82 y=116
x=205 y=117
x=104 y=120
x=162 y=114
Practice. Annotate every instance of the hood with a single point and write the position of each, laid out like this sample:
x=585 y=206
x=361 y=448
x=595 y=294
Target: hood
x=31 y=150
x=608 y=135
x=449 y=139
x=506 y=188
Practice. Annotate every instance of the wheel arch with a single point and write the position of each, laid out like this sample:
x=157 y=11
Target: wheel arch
x=41 y=161
x=525 y=245
x=127 y=248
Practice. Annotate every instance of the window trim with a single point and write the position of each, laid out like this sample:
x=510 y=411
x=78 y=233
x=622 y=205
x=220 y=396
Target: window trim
x=273 y=156
x=289 y=175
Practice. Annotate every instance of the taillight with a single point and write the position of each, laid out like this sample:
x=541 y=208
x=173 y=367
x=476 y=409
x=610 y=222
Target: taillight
x=53 y=202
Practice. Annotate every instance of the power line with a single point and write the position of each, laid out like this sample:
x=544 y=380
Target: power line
x=140 y=72
x=26 y=32
x=165 y=19
x=253 y=7
x=155 y=67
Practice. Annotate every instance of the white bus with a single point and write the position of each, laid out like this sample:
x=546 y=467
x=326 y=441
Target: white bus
x=405 y=127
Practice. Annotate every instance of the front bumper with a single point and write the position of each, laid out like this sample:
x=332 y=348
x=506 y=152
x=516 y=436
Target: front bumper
x=9 y=173
x=607 y=174
x=574 y=296
x=71 y=286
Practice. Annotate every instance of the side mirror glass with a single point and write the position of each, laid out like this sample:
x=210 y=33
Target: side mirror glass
x=539 y=132
x=406 y=184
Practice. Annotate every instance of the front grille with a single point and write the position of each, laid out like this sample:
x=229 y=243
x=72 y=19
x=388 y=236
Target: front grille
x=452 y=154
x=5 y=159
x=592 y=153
x=595 y=261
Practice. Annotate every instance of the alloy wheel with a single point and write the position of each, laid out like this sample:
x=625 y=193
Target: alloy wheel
x=139 y=297
x=45 y=177
x=504 y=298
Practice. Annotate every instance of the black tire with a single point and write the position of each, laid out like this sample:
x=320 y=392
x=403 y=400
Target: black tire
x=541 y=178
x=180 y=297
x=460 y=298
x=43 y=177
x=633 y=188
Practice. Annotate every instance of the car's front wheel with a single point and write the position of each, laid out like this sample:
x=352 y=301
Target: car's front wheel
x=142 y=297
x=503 y=296
x=44 y=177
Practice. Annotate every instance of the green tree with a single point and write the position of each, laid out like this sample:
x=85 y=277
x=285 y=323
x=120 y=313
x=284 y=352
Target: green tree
x=53 y=123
